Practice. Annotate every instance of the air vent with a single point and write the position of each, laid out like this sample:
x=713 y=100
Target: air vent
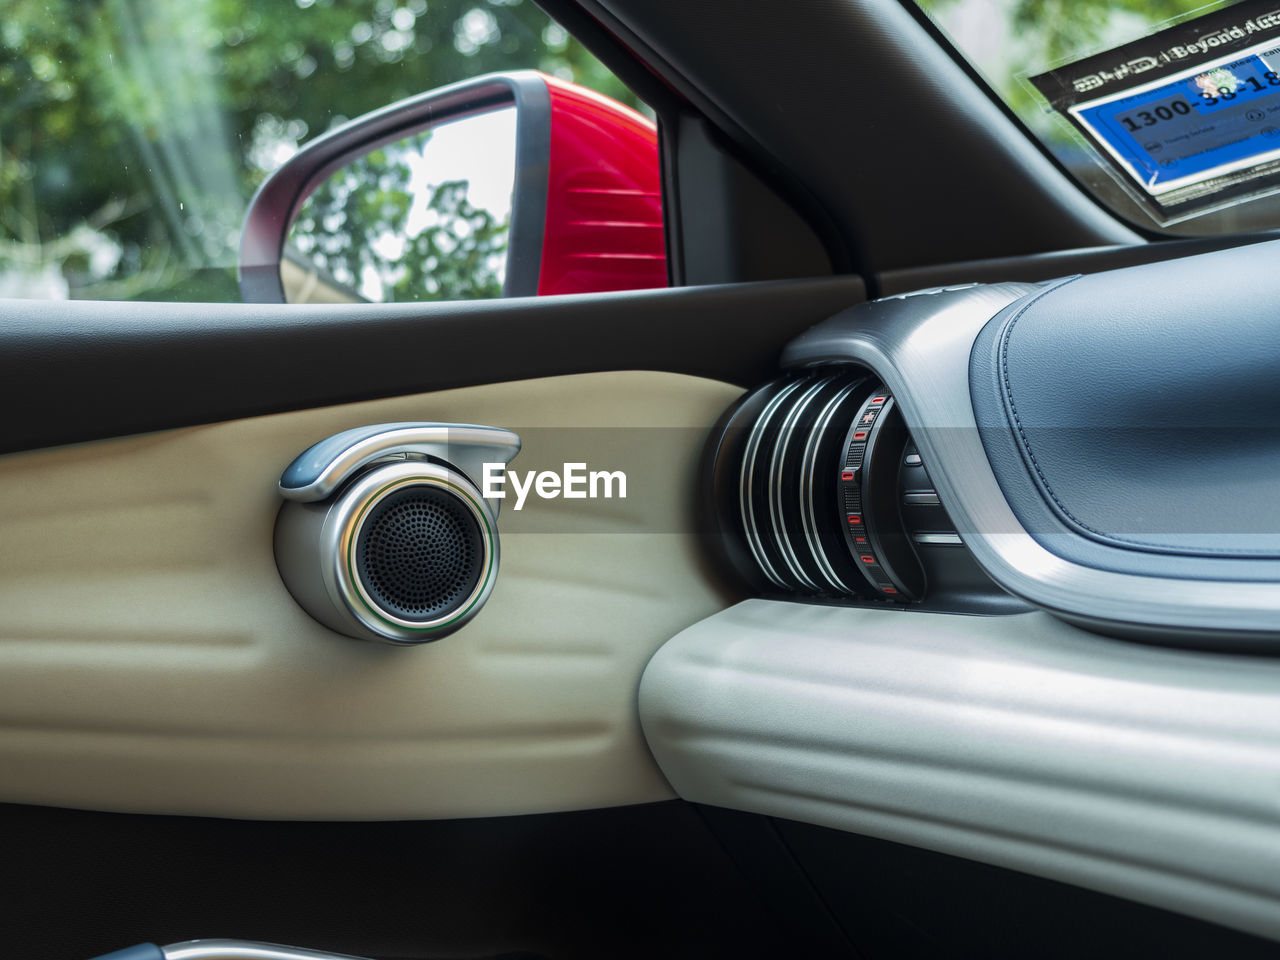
x=805 y=480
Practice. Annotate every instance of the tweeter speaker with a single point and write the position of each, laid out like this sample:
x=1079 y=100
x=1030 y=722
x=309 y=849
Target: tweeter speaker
x=385 y=536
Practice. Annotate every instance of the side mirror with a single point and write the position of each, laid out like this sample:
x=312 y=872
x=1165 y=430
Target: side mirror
x=513 y=184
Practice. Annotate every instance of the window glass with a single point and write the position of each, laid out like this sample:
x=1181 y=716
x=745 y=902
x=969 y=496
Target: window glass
x=1010 y=42
x=134 y=132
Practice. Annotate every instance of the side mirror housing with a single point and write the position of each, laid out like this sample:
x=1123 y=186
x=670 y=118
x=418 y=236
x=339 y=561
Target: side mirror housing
x=584 y=214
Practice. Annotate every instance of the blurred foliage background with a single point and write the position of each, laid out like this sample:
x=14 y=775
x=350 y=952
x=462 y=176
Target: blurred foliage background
x=1008 y=40
x=134 y=132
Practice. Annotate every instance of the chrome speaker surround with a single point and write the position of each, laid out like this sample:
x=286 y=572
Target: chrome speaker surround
x=325 y=563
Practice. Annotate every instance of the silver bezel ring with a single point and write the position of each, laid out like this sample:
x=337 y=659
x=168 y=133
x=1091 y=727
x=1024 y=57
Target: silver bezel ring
x=342 y=530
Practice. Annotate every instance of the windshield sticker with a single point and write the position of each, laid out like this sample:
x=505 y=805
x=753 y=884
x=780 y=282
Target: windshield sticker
x=1190 y=116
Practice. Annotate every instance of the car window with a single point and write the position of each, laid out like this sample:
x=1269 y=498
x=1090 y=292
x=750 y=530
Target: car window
x=133 y=134
x=1139 y=144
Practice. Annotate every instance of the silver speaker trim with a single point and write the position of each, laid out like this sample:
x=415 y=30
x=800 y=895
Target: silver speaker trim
x=244 y=950
x=467 y=446
x=342 y=528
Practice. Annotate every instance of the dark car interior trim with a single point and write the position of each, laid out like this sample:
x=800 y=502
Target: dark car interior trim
x=672 y=879
x=1058 y=263
x=153 y=366
x=629 y=883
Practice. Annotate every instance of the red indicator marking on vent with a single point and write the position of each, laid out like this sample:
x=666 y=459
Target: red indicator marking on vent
x=859 y=539
x=860 y=435
x=867 y=558
x=888 y=590
x=855 y=519
x=877 y=400
x=847 y=475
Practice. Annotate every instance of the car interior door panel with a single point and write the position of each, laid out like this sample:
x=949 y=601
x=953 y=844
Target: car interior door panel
x=139 y=578
x=797 y=509
x=968 y=726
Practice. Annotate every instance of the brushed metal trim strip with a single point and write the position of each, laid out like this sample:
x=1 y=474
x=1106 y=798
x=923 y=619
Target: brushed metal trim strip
x=921 y=498
x=938 y=539
x=244 y=950
x=467 y=446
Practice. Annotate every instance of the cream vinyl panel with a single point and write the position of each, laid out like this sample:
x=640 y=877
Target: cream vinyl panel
x=151 y=660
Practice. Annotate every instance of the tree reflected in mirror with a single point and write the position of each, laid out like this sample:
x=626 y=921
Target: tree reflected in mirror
x=400 y=223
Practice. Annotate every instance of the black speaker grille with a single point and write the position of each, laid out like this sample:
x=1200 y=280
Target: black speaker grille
x=420 y=553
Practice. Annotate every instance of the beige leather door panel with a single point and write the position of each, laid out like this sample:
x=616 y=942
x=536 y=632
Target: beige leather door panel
x=151 y=659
